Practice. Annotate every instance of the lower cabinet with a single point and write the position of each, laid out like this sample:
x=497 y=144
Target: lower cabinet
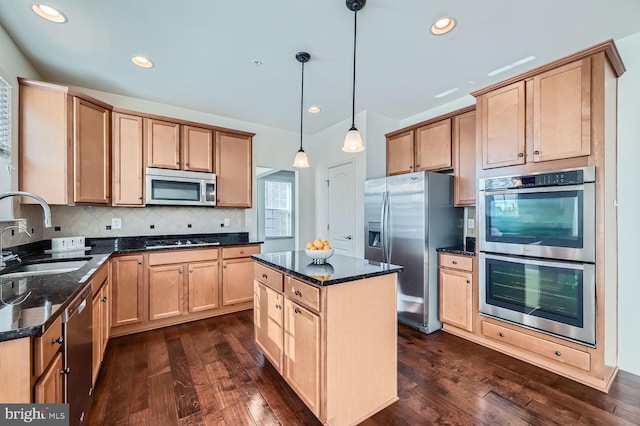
x=49 y=389
x=456 y=290
x=203 y=286
x=101 y=317
x=237 y=274
x=166 y=290
x=127 y=273
x=268 y=323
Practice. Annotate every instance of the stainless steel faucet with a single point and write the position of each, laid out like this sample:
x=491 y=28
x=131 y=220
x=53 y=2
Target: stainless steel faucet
x=6 y=257
x=40 y=200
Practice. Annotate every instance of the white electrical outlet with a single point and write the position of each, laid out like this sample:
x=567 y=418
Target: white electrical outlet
x=116 y=223
x=471 y=223
x=22 y=223
x=226 y=221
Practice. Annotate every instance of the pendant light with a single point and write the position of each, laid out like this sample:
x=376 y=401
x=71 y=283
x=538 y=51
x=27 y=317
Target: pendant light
x=353 y=140
x=301 y=161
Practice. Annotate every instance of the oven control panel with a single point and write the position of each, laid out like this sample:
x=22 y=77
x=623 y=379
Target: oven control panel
x=564 y=177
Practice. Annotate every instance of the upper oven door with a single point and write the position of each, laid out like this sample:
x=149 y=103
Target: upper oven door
x=551 y=222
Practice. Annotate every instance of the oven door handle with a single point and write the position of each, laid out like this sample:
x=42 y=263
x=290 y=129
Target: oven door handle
x=579 y=187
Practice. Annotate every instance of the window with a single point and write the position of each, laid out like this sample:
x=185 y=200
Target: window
x=278 y=208
x=5 y=121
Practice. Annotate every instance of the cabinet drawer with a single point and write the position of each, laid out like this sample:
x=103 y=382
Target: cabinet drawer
x=464 y=263
x=242 y=251
x=182 y=256
x=551 y=350
x=46 y=346
x=303 y=293
x=268 y=276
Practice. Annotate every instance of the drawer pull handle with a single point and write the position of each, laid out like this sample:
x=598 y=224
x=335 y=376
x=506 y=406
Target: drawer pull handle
x=297 y=293
x=468 y=281
x=501 y=334
x=558 y=353
x=264 y=276
x=59 y=340
x=296 y=310
x=278 y=306
x=104 y=299
x=455 y=262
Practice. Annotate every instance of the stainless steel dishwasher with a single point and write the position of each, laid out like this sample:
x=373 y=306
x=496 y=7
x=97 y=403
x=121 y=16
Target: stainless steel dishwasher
x=77 y=327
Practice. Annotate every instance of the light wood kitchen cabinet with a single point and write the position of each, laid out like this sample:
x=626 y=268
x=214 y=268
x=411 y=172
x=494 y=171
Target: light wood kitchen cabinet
x=464 y=159
x=64 y=145
x=128 y=163
x=433 y=146
x=268 y=319
x=162 y=144
x=400 y=153
x=50 y=387
x=237 y=274
x=166 y=290
x=127 y=290
x=100 y=312
x=197 y=149
x=203 y=286
x=456 y=290
x=302 y=353
x=234 y=170
x=556 y=104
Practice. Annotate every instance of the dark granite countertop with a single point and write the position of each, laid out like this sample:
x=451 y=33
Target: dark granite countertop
x=456 y=250
x=29 y=305
x=338 y=269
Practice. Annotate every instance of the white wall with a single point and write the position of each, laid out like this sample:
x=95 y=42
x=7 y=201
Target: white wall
x=629 y=205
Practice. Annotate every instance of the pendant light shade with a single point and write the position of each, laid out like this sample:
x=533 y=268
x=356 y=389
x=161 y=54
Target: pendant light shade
x=301 y=161
x=353 y=140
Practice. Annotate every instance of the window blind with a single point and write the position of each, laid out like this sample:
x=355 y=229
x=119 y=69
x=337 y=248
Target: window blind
x=5 y=120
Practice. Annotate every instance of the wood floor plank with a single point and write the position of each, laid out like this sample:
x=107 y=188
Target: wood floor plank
x=160 y=378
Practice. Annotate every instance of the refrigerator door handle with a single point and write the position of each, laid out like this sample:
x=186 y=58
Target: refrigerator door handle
x=387 y=227
x=383 y=232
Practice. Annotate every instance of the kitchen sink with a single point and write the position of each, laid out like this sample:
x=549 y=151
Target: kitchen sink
x=45 y=268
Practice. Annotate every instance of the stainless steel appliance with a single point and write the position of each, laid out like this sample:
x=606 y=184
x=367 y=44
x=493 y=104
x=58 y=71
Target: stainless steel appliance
x=179 y=187
x=549 y=214
x=179 y=242
x=406 y=218
x=76 y=328
x=537 y=251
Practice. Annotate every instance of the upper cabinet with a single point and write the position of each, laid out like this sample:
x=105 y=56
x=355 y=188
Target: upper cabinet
x=171 y=145
x=64 y=145
x=197 y=149
x=234 y=169
x=400 y=153
x=128 y=178
x=464 y=159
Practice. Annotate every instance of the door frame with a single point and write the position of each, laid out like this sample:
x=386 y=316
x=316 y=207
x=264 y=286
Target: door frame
x=358 y=207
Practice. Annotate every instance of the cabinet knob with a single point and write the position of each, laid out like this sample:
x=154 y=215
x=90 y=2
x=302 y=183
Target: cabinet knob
x=410 y=167
x=191 y=271
x=417 y=165
x=65 y=371
x=224 y=266
x=186 y=164
x=177 y=163
x=296 y=310
x=558 y=353
x=104 y=299
x=264 y=276
x=536 y=152
x=59 y=340
x=278 y=306
x=241 y=251
x=297 y=293
x=107 y=196
x=468 y=281
x=139 y=198
x=455 y=262
x=520 y=155
x=139 y=262
x=180 y=271
x=501 y=334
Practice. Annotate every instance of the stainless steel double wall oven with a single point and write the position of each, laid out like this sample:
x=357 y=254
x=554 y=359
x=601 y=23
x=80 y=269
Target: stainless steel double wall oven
x=537 y=251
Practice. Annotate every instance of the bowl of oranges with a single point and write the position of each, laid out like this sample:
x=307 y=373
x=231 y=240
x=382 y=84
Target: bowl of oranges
x=319 y=251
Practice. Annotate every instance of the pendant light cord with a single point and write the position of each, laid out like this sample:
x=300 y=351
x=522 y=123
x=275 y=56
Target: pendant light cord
x=301 y=103
x=353 y=93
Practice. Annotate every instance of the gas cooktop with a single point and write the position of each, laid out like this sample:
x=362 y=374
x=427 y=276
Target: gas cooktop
x=179 y=242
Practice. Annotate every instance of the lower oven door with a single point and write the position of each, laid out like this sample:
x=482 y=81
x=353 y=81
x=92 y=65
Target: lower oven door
x=554 y=297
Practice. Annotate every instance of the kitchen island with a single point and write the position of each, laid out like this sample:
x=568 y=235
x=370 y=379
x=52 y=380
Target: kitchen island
x=330 y=330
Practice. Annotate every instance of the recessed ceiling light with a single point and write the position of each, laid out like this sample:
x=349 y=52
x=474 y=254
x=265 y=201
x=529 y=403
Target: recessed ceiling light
x=49 y=13
x=511 y=65
x=142 y=62
x=314 y=109
x=443 y=25
x=445 y=93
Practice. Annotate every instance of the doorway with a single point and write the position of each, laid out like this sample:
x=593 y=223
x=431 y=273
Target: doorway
x=341 y=206
x=276 y=209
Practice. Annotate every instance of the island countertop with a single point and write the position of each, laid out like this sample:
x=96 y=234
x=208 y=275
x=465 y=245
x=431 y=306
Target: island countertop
x=338 y=269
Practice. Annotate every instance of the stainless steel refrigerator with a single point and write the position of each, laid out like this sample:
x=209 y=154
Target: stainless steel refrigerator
x=407 y=217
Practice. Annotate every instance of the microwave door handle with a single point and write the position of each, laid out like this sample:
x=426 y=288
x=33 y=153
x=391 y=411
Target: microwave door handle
x=203 y=192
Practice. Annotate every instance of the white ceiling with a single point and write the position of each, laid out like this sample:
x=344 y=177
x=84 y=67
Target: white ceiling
x=203 y=50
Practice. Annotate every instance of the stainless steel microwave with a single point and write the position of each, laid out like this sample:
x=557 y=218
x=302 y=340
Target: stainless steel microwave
x=179 y=187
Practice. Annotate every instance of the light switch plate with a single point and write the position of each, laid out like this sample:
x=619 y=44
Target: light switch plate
x=226 y=221
x=471 y=223
x=116 y=223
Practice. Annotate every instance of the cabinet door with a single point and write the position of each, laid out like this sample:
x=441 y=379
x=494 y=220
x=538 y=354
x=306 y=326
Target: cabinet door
x=91 y=126
x=400 y=153
x=166 y=289
x=237 y=280
x=128 y=168
x=96 y=340
x=455 y=298
x=49 y=389
x=105 y=316
x=128 y=281
x=464 y=159
x=233 y=170
x=203 y=286
x=267 y=321
x=503 y=126
x=197 y=149
x=162 y=140
x=433 y=146
x=562 y=112
x=302 y=353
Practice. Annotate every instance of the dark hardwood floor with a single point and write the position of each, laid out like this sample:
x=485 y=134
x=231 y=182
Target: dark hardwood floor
x=209 y=372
